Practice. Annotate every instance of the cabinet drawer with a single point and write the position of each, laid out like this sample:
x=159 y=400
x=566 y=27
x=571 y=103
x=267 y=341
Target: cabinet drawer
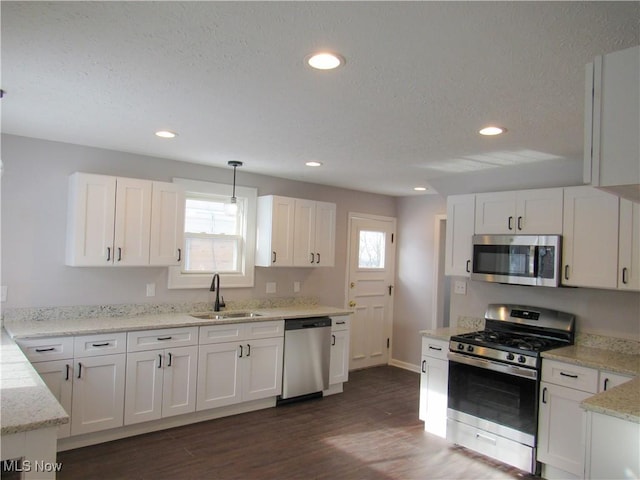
x=340 y=323
x=274 y=328
x=434 y=347
x=102 y=344
x=229 y=332
x=162 y=338
x=569 y=375
x=44 y=349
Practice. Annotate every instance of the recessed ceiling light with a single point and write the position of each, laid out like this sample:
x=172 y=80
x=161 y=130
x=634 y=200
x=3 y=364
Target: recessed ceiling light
x=313 y=164
x=325 y=60
x=166 y=134
x=420 y=189
x=492 y=131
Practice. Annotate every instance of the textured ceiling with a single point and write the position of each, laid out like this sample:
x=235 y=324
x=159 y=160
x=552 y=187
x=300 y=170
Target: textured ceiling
x=420 y=79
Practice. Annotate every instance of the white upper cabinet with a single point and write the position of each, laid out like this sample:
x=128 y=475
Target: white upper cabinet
x=612 y=123
x=532 y=212
x=590 y=238
x=629 y=246
x=460 y=221
x=295 y=232
x=111 y=221
x=167 y=224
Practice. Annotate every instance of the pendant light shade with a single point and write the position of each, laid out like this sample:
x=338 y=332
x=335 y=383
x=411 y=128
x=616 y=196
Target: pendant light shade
x=231 y=208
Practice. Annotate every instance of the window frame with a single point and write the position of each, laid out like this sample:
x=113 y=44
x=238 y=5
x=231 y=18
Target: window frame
x=177 y=279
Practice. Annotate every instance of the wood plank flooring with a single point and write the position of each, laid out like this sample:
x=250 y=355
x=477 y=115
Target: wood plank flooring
x=371 y=431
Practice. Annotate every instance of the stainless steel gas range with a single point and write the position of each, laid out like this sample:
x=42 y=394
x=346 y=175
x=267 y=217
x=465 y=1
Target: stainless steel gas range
x=494 y=380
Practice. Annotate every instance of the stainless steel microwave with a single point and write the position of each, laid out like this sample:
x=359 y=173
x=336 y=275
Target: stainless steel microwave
x=517 y=259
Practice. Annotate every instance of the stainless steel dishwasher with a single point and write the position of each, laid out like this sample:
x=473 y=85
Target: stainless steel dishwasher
x=307 y=354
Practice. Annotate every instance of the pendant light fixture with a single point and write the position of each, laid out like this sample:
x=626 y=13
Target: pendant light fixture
x=231 y=208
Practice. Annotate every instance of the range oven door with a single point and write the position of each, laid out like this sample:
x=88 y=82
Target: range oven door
x=493 y=396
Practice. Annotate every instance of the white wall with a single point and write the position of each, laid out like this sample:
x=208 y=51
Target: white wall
x=34 y=199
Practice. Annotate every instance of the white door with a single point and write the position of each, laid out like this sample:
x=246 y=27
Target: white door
x=370 y=288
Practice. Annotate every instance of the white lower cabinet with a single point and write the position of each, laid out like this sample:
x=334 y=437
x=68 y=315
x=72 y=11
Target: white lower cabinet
x=58 y=376
x=561 y=422
x=434 y=381
x=339 y=364
x=247 y=368
x=98 y=393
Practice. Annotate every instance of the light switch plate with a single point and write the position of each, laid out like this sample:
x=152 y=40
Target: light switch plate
x=271 y=287
x=296 y=287
x=460 y=287
x=151 y=289
x=3 y=293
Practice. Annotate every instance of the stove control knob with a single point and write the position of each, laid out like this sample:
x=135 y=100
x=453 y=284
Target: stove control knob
x=510 y=356
x=522 y=359
x=460 y=346
x=469 y=348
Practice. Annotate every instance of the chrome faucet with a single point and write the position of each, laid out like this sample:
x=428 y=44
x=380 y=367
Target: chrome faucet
x=215 y=287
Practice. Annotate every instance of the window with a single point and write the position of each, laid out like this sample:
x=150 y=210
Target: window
x=218 y=239
x=371 y=252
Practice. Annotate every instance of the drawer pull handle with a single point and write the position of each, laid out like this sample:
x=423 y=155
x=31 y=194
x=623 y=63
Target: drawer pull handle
x=491 y=440
x=570 y=375
x=159 y=360
x=79 y=370
x=606 y=384
x=170 y=360
x=544 y=395
x=66 y=378
x=312 y=257
x=439 y=349
x=106 y=344
x=41 y=350
x=467 y=266
x=340 y=323
x=333 y=340
x=108 y=254
x=240 y=351
x=179 y=255
x=248 y=350
x=424 y=366
x=318 y=260
x=164 y=338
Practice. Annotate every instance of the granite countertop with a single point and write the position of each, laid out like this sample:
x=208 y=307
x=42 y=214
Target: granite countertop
x=622 y=401
x=610 y=360
x=445 y=333
x=27 y=403
x=86 y=326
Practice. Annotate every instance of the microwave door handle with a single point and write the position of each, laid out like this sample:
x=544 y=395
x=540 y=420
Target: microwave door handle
x=533 y=261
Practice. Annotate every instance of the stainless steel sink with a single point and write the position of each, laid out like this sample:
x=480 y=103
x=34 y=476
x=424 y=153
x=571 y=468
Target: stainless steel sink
x=223 y=315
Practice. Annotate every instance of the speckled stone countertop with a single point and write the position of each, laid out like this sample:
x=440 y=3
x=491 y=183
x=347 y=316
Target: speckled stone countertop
x=622 y=401
x=444 y=333
x=86 y=326
x=27 y=404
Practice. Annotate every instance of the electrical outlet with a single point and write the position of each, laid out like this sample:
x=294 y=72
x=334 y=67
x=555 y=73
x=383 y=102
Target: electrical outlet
x=151 y=289
x=271 y=287
x=3 y=293
x=296 y=287
x=460 y=287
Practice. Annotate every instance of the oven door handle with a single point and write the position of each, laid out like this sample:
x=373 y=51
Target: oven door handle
x=494 y=366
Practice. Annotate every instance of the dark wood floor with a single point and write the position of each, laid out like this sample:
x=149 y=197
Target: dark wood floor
x=371 y=431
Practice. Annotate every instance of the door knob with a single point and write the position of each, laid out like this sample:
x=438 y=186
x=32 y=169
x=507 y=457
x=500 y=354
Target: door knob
x=352 y=284
x=352 y=303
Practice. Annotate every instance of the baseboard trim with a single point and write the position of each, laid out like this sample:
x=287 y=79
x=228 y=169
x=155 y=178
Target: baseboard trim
x=407 y=366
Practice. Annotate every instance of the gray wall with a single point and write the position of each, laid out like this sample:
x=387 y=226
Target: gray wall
x=34 y=199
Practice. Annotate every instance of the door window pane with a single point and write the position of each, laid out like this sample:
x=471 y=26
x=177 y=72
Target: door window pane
x=371 y=249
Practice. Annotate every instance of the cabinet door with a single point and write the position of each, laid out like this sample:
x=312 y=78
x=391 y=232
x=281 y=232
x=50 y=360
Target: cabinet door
x=167 y=224
x=143 y=392
x=495 y=213
x=325 y=238
x=58 y=376
x=98 y=393
x=561 y=428
x=304 y=233
x=608 y=380
x=262 y=369
x=629 y=248
x=590 y=242
x=218 y=375
x=434 y=381
x=133 y=222
x=339 y=366
x=179 y=383
x=539 y=212
x=460 y=224
x=90 y=221
x=612 y=136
